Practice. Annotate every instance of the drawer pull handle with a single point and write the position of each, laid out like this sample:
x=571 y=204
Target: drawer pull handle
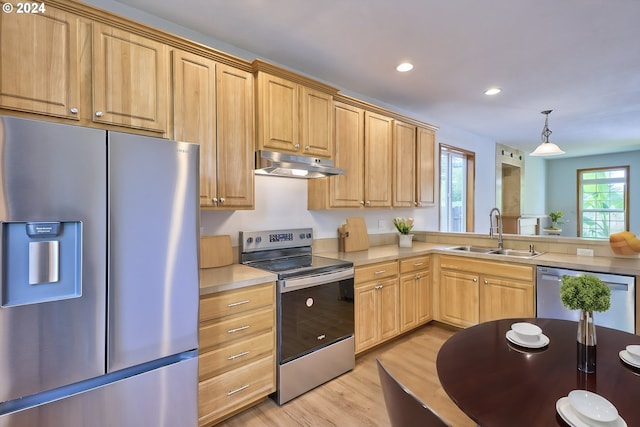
x=242 y=387
x=321 y=337
x=417 y=264
x=235 y=304
x=379 y=271
x=235 y=356
x=418 y=277
x=241 y=328
x=379 y=287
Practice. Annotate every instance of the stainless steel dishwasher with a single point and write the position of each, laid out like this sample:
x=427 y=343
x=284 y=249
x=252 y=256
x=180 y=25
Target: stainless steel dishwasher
x=621 y=314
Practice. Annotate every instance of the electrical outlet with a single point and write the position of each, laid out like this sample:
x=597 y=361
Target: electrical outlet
x=584 y=252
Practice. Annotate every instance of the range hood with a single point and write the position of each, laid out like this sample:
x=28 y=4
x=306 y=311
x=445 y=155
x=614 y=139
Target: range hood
x=292 y=166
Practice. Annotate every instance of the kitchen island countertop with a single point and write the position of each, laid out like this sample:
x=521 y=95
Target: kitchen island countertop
x=234 y=276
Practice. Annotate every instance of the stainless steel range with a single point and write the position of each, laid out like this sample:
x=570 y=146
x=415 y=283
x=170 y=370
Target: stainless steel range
x=315 y=309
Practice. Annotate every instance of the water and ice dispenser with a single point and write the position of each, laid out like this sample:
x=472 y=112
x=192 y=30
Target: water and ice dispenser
x=40 y=262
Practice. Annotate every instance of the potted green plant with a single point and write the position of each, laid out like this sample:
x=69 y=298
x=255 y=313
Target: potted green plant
x=555 y=222
x=404 y=226
x=586 y=293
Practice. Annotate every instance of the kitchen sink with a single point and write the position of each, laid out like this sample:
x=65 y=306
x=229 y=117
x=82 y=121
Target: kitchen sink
x=476 y=249
x=494 y=251
x=516 y=253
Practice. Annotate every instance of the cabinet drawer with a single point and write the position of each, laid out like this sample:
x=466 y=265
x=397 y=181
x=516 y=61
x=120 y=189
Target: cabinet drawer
x=225 y=393
x=376 y=271
x=415 y=264
x=234 y=355
x=237 y=327
x=236 y=301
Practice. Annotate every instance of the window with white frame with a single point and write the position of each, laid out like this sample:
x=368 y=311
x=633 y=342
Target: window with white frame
x=602 y=201
x=457 y=170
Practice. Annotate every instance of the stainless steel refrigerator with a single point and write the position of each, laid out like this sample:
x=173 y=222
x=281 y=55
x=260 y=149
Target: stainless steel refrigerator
x=99 y=278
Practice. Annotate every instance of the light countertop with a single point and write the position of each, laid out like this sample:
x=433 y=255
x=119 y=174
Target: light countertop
x=236 y=276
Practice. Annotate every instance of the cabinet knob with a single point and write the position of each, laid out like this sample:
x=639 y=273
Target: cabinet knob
x=214 y=199
x=368 y=203
x=418 y=277
x=306 y=147
x=73 y=110
x=221 y=199
x=475 y=279
x=297 y=146
x=98 y=113
x=486 y=282
x=362 y=202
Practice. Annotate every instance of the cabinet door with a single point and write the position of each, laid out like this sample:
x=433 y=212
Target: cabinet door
x=425 y=167
x=130 y=79
x=235 y=137
x=408 y=302
x=366 y=317
x=459 y=298
x=39 y=70
x=316 y=125
x=389 y=307
x=404 y=165
x=194 y=110
x=378 y=160
x=503 y=299
x=278 y=113
x=347 y=190
x=424 y=297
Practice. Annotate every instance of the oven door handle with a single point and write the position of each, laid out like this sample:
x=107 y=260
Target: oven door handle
x=288 y=285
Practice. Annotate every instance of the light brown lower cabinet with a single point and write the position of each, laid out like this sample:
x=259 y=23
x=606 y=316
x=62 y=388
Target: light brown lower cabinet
x=473 y=290
x=237 y=351
x=376 y=304
x=416 y=294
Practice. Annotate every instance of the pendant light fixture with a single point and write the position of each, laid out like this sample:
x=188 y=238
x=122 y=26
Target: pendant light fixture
x=546 y=148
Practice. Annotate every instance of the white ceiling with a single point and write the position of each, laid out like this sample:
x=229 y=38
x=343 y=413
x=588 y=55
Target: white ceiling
x=580 y=58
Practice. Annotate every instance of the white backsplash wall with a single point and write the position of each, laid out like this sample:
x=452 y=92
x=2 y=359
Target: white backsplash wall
x=282 y=203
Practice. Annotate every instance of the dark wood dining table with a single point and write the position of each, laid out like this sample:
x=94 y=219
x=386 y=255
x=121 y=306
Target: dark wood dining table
x=497 y=383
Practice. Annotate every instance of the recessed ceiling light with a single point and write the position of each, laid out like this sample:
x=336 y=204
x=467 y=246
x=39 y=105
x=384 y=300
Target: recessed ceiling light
x=404 y=67
x=493 y=91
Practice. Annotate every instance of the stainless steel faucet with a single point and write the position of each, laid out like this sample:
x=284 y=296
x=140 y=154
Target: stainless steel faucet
x=498 y=226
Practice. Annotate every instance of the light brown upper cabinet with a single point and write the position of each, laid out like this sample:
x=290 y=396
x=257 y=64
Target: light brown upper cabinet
x=364 y=151
x=425 y=167
x=213 y=106
x=130 y=79
x=404 y=165
x=293 y=118
x=39 y=69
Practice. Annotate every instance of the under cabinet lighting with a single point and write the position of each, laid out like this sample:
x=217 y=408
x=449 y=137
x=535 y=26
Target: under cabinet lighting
x=493 y=91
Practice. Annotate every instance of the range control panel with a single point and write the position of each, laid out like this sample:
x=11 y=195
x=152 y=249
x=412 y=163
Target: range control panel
x=252 y=241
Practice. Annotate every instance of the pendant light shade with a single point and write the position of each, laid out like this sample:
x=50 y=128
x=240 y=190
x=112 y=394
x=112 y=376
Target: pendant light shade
x=546 y=148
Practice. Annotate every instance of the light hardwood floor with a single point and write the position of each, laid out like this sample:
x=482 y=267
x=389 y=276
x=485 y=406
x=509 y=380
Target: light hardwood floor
x=355 y=398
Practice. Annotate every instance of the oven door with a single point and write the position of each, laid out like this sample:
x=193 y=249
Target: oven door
x=313 y=312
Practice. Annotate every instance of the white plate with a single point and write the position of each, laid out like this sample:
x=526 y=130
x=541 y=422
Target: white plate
x=634 y=352
x=571 y=417
x=593 y=406
x=627 y=358
x=541 y=342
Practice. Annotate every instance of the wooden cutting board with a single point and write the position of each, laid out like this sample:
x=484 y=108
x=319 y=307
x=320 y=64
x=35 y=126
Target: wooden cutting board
x=215 y=251
x=357 y=238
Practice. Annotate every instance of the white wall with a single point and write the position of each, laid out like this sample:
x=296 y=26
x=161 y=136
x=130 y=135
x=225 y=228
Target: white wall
x=535 y=182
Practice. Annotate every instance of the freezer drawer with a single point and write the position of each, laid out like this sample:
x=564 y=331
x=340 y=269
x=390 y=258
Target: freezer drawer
x=164 y=397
